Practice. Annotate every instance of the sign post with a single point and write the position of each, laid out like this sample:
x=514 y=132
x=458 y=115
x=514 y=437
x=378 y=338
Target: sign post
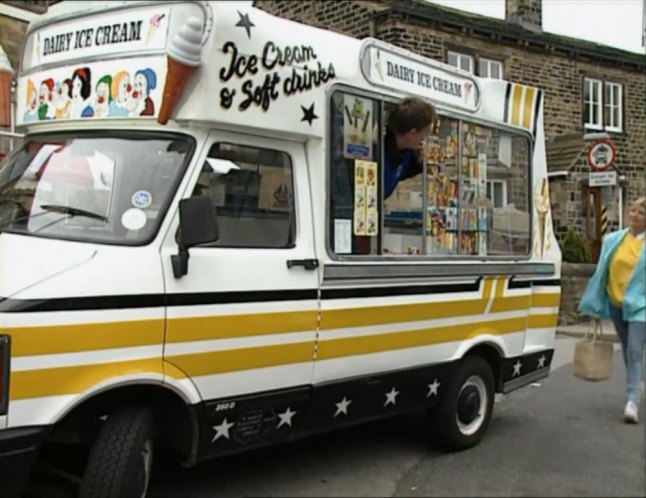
x=601 y=157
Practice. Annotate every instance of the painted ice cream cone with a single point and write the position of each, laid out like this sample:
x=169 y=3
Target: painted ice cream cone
x=541 y=230
x=184 y=56
x=151 y=32
x=467 y=90
x=379 y=69
x=542 y=208
x=153 y=25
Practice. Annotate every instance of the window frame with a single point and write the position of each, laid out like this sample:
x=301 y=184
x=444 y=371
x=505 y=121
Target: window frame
x=489 y=62
x=461 y=55
x=605 y=109
x=504 y=190
x=425 y=258
x=294 y=203
x=618 y=105
x=598 y=124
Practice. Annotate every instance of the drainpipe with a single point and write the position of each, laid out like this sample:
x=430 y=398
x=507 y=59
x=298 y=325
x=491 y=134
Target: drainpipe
x=620 y=201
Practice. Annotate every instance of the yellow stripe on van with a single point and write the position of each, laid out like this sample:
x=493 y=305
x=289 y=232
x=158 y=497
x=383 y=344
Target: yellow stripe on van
x=33 y=341
x=546 y=300
x=218 y=362
x=543 y=321
x=511 y=303
x=73 y=380
x=228 y=326
x=515 y=109
x=529 y=106
x=352 y=346
x=401 y=313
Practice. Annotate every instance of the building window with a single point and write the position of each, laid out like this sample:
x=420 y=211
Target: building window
x=488 y=68
x=612 y=118
x=461 y=61
x=592 y=103
x=497 y=193
x=602 y=105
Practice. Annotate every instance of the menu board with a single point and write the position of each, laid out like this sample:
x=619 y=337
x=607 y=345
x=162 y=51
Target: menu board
x=456 y=216
x=442 y=188
x=473 y=189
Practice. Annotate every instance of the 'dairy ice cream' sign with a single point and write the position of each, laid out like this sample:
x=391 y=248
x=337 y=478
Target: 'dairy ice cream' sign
x=128 y=30
x=385 y=68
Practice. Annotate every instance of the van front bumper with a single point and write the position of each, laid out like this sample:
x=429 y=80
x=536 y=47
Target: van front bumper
x=18 y=450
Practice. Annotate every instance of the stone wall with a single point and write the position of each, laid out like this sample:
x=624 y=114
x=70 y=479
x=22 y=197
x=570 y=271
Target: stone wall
x=574 y=279
x=12 y=36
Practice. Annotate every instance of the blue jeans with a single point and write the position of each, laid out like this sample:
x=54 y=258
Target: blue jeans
x=633 y=339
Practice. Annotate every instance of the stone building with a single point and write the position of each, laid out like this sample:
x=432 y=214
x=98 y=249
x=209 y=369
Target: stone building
x=15 y=15
x=591 y=91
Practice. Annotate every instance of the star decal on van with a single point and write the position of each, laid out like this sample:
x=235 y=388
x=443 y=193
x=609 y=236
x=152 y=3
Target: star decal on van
x=391 y=397
x=432 y=388
x=308 y=114
x=517 y=366
x=286 y=418
x=245 y=23
x=222 y=430
x=541 y=362
x=342 y=407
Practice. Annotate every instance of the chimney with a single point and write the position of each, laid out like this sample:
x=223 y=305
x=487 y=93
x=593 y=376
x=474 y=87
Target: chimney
x=526 y=13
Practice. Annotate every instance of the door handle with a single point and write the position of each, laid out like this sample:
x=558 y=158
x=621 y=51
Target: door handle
x=308 y=264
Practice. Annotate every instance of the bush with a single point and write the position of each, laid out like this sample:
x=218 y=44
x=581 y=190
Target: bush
x=574 y=248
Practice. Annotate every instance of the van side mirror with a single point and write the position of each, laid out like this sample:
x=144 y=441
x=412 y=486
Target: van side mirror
x=197 y=225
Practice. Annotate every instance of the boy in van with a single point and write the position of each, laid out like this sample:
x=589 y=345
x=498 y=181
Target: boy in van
x=407 y=126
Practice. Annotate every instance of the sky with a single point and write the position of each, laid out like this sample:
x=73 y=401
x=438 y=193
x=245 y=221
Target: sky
x=616 y=23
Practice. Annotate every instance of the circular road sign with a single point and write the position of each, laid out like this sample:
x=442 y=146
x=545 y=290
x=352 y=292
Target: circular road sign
x=602 y=155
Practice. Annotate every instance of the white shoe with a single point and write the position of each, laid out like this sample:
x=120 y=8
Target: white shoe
x=630 y=413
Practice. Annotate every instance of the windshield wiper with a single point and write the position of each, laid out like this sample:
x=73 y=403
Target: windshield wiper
x=72 y=211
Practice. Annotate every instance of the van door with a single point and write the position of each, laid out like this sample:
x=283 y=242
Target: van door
x=241 y=324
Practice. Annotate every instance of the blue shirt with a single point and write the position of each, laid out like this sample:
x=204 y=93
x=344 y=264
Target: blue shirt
x=399 y=165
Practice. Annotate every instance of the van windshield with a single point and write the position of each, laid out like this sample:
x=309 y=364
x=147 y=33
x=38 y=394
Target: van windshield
x=112 y=189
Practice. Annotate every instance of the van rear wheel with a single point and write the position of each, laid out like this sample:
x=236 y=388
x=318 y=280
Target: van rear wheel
x=120 y=460
x=465 y=407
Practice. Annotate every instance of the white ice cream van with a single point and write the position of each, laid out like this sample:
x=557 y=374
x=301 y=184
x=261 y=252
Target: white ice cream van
x=198 y=256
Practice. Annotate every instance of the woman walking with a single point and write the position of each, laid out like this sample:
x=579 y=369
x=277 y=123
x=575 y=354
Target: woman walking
x=617 y=291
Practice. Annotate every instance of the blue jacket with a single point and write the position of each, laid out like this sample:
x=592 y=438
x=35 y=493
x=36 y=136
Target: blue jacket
x=595 y=301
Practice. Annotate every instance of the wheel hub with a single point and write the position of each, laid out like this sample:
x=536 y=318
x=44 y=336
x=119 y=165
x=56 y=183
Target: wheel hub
x=468 y=405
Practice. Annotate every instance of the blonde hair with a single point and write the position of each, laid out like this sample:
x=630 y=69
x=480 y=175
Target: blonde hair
x=640 y=204
x=116 y=81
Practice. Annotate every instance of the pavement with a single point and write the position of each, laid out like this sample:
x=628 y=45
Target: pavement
x=579 y=330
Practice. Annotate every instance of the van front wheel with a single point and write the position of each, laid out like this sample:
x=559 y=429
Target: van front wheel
x=461 y=418
x=120 y=461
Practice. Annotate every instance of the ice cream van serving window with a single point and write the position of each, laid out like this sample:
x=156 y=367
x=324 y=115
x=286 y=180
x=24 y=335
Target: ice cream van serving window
x=468 y=196
x=109 y=189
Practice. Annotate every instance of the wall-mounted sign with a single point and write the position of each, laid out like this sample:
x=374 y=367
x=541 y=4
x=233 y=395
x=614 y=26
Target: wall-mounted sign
x=602 y=155
x=603 y=178
x=428 y=80
x=128 y=30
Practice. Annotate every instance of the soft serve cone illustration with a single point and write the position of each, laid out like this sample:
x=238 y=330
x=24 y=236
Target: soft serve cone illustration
x=542 y=203
x=153 y=25
x=184 y=56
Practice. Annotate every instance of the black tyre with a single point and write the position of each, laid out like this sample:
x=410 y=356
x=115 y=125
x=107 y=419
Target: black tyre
x=120 y=461
x=464 y=410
